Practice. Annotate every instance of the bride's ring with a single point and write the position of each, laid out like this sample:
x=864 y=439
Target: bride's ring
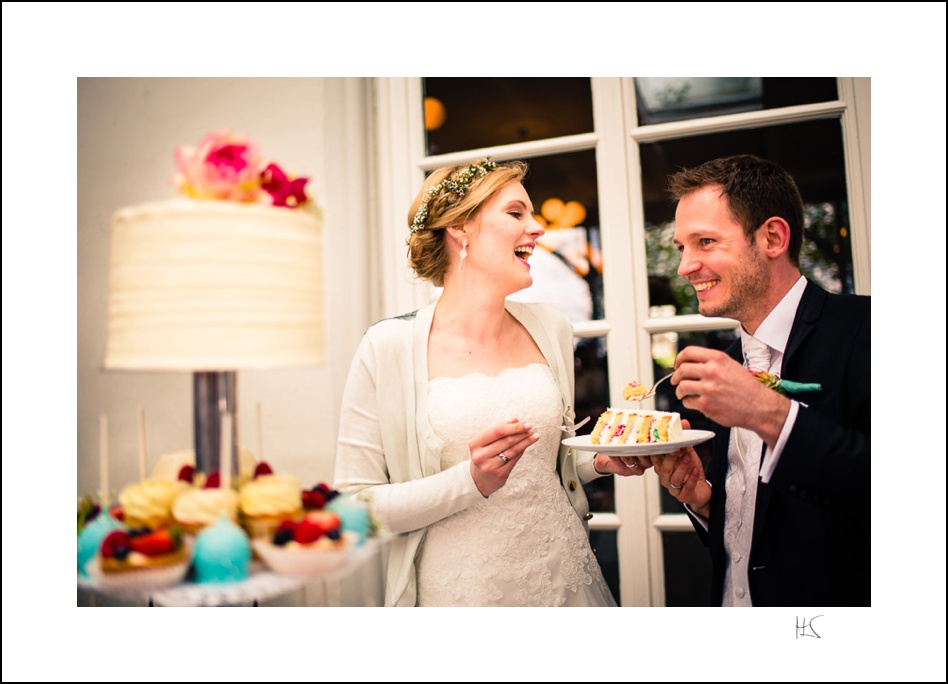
x=503 y=457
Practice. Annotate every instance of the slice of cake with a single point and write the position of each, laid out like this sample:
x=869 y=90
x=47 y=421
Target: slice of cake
x=624 y=426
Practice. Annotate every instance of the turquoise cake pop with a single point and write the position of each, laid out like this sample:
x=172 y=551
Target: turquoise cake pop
x=90 y=538
x=221 y=553
x=353 y=513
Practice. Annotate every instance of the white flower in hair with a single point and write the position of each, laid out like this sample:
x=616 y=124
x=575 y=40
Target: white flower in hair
x=458 y=186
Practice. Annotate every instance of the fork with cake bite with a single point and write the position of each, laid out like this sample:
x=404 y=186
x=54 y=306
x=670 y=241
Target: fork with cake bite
x=633 y=391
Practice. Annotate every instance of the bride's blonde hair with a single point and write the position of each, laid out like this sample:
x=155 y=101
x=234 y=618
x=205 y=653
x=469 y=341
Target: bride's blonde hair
x=451 y=196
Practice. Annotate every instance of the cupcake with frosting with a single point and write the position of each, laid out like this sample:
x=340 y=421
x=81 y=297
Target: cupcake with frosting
x=196 y=508
x=148 y=503
x=267 y=500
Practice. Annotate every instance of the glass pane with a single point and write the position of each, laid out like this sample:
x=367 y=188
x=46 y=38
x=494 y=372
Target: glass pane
x=468 y=113
x=687 y=570
x=664 y=348
x=604 y=545
x=675 y=99
x=567 y=272
x=813 y=154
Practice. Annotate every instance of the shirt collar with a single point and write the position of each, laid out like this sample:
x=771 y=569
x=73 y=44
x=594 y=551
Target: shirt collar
x=774 y=331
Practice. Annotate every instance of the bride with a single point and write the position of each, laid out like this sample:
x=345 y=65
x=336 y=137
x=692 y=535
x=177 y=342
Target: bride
x=441 y=423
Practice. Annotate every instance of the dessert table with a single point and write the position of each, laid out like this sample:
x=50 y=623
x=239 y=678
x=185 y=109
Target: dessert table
x=360 y=582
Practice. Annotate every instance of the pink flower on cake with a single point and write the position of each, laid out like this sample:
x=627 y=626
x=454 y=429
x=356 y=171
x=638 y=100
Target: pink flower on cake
x=285 y=192
x=224 y=166
x=229 y=166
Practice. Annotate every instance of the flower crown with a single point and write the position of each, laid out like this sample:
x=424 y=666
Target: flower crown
x=458 y=186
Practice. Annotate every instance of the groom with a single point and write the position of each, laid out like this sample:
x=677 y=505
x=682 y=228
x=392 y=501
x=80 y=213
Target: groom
x=785 y=504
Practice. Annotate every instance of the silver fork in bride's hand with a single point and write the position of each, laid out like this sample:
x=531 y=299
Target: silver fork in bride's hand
x=565 y=428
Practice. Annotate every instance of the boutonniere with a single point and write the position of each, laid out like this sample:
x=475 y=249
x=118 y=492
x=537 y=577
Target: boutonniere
x=774 y=382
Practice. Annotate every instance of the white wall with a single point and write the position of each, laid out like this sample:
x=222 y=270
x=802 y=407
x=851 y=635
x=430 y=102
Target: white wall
x=127 y=131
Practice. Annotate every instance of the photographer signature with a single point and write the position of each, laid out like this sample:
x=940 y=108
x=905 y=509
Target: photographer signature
x=803 y=626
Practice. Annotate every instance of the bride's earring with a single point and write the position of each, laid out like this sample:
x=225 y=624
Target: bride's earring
x=463 y=254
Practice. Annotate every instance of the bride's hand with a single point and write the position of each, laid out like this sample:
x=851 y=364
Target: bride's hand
x=495 y=453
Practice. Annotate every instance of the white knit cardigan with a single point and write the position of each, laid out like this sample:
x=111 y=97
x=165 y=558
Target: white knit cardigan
x=389 y=455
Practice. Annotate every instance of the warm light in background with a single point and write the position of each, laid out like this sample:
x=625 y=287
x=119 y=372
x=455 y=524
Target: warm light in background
x=565 y=237
x=435 y=114
x=554 y=213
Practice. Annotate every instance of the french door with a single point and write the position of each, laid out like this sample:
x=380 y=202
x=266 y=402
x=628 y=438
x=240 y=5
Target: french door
x=599 y=151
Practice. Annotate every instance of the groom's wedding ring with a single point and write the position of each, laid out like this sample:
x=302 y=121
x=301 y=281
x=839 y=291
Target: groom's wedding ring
x=503 y=457
x=674 y=486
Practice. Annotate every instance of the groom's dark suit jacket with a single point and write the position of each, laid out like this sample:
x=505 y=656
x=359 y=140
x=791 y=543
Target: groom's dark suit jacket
x=811 y=540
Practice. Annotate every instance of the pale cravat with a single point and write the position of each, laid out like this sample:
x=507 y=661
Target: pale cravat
x=756 y=355
x=741 y=486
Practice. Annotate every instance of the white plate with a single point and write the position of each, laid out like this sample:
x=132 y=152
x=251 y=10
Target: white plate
x=146 y=579
x=691 y=437
x=304 y=562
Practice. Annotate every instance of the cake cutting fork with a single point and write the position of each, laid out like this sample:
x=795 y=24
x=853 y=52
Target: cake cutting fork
x=564 y=428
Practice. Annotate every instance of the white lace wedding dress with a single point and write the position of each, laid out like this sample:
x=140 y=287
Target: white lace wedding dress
x=524 y=545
